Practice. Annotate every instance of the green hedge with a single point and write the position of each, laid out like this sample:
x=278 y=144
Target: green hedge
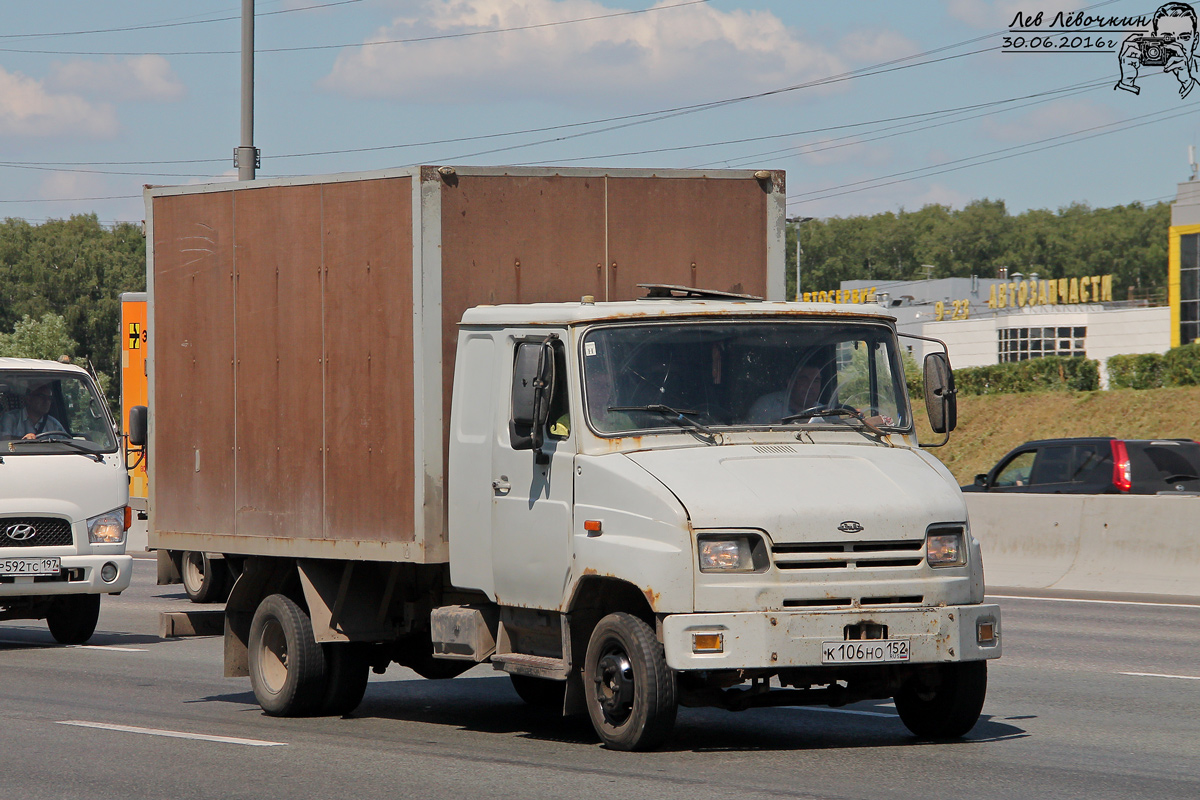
x=1051 y=374
x=1179 y=366
x=1139 y=371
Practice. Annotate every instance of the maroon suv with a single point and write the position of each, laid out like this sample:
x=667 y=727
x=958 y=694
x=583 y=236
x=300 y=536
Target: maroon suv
x=1097 y=465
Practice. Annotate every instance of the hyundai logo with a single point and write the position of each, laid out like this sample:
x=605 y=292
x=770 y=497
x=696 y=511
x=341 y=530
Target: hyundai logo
x=850 y=526
x=20 y=533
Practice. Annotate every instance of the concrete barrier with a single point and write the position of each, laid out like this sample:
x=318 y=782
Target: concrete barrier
x=1101 y=543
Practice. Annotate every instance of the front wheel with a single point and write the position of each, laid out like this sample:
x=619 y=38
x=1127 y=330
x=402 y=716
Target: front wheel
x=203 y=578
x=629 y=689
x=951 y=708
x=287 y=666
x=72 y=618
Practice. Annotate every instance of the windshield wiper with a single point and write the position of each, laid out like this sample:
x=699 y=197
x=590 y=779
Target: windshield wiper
x=56 y=438
x=834 y=411
x=678 y=415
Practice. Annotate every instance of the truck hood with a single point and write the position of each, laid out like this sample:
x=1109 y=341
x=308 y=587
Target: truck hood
x=62 y=484
x=804 y=492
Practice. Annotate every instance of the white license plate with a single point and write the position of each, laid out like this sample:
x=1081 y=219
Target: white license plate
x=864 y=651
x=30 y=566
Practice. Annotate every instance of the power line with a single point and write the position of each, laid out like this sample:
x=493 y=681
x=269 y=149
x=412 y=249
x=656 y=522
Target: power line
x=881 y=181
x=157 y=25
x=414 y=40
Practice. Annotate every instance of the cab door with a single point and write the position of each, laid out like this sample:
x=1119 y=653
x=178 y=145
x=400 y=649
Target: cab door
x=532 y=487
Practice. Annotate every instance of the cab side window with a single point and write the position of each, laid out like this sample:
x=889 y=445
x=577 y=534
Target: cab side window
x=1017 y=471
x=560 y=408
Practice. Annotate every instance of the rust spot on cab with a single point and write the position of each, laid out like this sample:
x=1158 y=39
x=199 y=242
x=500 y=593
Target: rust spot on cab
x=651 y=597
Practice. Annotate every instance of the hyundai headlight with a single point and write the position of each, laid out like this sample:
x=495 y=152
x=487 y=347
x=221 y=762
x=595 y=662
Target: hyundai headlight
x=945 y=547
x=108 y=528
x=732 y=552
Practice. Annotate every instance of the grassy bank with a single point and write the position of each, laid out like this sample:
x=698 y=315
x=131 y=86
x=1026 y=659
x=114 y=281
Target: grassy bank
x=990 y=426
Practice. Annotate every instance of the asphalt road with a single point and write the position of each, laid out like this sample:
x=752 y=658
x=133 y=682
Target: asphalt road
x=1093 y=699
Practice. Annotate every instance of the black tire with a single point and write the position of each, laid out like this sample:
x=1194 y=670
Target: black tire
x=287 y=666
x=543 y=694
x=950 y=710
x=346 y=674
x=72 y=618
x=629 y=689
x=203 y=578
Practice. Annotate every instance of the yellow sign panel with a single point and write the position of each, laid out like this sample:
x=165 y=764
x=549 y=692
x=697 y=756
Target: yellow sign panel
x=842 y=296
x=1053 y=292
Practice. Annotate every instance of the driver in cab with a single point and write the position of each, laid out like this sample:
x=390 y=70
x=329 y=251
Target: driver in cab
x=34 y=418
x=802 y=393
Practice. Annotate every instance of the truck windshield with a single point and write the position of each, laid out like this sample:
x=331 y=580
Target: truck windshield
x=760 y=374
x=52 y=412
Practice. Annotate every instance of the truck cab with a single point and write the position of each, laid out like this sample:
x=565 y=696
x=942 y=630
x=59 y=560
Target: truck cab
x=708 y=501
x=63 y=498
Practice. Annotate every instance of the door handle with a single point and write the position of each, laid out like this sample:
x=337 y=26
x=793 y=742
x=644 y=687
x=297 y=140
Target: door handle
x=501 y=485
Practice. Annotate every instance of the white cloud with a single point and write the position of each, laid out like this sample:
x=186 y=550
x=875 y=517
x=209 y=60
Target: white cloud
x=1064 y=116
x=58 y=185
x=28 y=108
x=679 y=53
x=139 y=78
x=845 y=151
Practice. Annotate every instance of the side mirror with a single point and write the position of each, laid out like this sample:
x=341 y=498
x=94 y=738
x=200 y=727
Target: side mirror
x=941 y=399
x=532 y=389
x=138 y=416
x=981 y=480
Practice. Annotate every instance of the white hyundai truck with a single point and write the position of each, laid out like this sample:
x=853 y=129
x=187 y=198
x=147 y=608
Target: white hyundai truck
x=363 y=401
x=64 y=497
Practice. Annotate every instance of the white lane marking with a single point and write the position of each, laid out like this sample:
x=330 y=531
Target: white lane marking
x=1160 y=675
x=846 y=711
x=1101 y=602
x=204 y=737
x=107 y=647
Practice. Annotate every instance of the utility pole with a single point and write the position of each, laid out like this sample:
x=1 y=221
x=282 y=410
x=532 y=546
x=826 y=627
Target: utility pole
x=798 y=221
x=245 y=156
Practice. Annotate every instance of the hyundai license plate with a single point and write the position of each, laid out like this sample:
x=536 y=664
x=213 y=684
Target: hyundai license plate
x=30 y=566
x=864 y=651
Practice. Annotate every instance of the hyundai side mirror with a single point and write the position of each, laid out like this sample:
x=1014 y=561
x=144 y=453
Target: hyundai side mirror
x=981 y=480
x=138 y=417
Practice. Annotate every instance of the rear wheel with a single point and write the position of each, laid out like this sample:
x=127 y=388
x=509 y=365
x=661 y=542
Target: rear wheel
x=72 y=618
x=951 y=708
x=539 y=692
x=628 y=687
x=203 y=578
x=287 y=666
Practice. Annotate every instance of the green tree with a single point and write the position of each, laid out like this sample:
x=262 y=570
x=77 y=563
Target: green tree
x=38 y=338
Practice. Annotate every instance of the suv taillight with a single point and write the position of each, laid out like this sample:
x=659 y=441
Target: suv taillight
x=1122 y=474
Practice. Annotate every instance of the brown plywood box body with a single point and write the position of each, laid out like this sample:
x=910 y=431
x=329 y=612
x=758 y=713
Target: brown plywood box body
x=305 y=330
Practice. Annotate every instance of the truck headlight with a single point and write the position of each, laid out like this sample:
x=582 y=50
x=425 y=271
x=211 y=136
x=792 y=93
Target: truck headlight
x=107 y=528
x=944 y=547
x=731 y=552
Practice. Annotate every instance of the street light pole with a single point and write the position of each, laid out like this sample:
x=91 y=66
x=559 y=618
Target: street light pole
x=245 y=156
x=798 y=221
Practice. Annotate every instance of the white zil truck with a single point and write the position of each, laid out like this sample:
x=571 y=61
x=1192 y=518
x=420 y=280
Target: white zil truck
x=697 y=498
x=64 y=498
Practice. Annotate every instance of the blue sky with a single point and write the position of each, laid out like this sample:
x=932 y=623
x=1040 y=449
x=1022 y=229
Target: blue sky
x=923 y=106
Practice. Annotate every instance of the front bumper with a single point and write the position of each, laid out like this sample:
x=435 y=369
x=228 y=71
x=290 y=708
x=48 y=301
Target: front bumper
x=774 y=640
x=79 y=575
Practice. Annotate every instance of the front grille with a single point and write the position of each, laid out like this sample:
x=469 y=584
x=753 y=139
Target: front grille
x=849 y=555
x=48 y=532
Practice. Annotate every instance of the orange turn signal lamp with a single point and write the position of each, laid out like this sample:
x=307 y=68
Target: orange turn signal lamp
x=708 y=642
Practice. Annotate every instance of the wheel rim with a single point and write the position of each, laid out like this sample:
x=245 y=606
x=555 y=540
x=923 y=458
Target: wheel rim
x=193 y=572
x=615 y=686
x=273 y=656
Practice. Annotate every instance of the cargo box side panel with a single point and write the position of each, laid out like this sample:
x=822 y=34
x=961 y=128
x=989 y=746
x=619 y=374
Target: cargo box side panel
x=516 y=239
x=192 y=462
x=705 y=232
x=369 y=464
x=279 y=409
